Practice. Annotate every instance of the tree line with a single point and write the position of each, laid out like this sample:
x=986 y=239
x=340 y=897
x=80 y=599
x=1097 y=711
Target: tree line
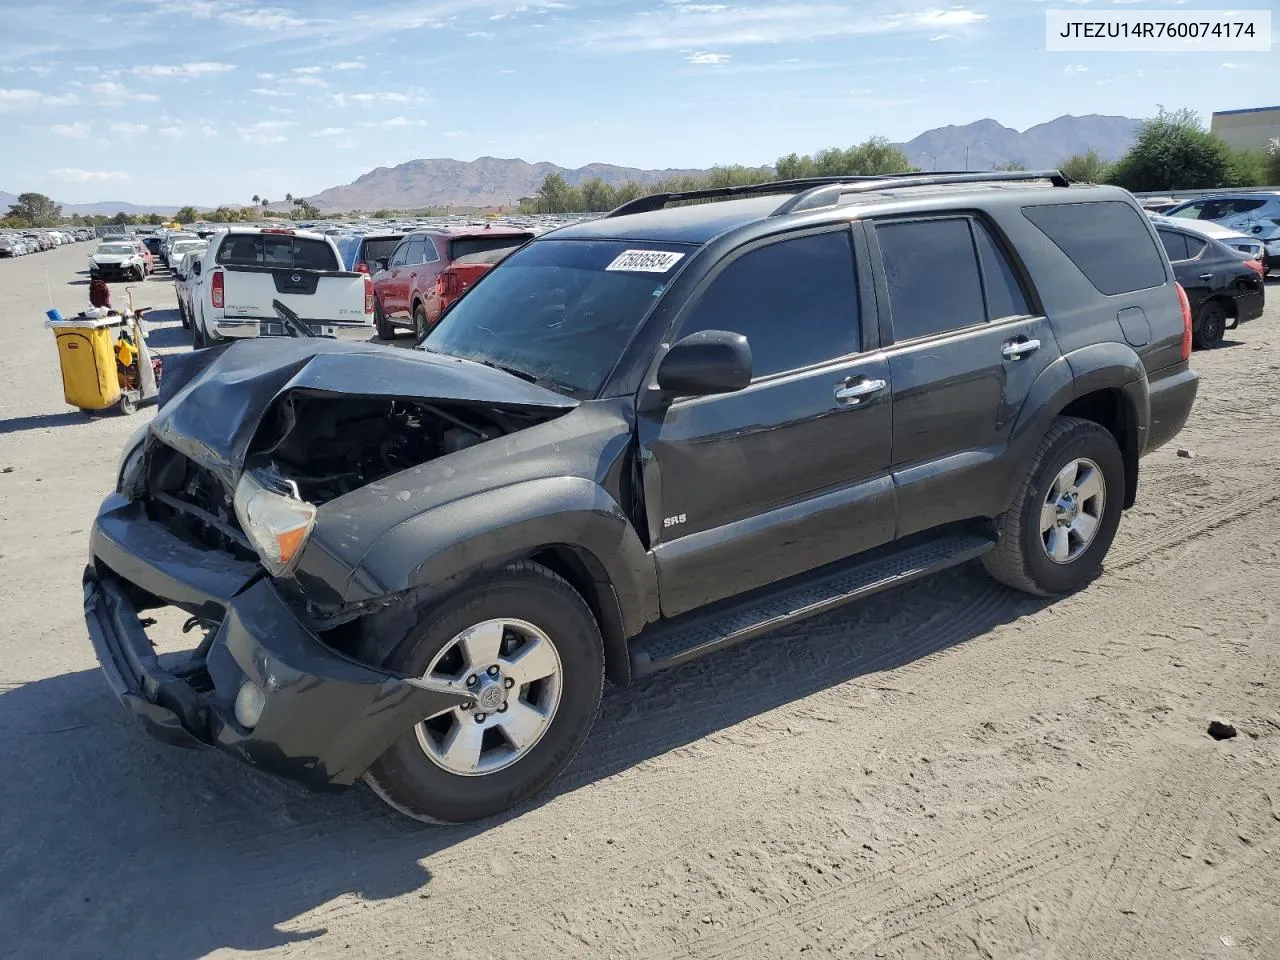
x=1172 y=151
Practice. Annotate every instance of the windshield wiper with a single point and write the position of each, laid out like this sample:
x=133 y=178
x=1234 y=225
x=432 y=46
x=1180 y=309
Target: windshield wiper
x=523 y=375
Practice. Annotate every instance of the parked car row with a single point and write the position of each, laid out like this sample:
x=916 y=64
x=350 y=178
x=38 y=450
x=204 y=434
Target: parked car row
x=1253 y=215
x=21 y=244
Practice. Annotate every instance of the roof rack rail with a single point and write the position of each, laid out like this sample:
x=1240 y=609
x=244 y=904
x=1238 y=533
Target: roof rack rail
x=828 y=195
x=656 y=201
x=808 y=189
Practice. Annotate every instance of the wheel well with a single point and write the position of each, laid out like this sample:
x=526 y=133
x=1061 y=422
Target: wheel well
x=1110 y=409
x=1228 y=305
x=586 y=574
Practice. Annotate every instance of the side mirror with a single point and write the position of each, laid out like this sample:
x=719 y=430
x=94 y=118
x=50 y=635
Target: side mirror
x=706 y=363
x=1258 y=228
x=196 y=268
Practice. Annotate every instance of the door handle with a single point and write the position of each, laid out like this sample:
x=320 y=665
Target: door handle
x=1206 y=276
x=1017 y=349
x=853 y=391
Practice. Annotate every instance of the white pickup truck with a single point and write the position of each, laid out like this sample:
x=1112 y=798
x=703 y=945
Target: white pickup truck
x=246 y=269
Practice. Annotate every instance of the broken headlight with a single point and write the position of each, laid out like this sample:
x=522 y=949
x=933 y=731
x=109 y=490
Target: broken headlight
x=275 y=518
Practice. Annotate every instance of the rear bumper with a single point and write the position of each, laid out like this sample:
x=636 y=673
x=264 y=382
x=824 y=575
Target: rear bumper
x=1249 y=306
x=240 y=328
x=326 y=717
x=1172 y=394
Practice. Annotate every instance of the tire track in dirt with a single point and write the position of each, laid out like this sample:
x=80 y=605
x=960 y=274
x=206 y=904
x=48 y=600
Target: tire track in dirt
x=1192 y=527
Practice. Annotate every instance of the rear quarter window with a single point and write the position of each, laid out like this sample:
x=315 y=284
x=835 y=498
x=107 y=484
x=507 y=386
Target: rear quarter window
x=1107 y=240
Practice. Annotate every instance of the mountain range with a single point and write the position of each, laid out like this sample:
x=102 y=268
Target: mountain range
x=491 y=181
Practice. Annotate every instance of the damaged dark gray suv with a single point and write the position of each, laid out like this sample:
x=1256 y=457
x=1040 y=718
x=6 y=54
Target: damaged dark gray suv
x=638 y=440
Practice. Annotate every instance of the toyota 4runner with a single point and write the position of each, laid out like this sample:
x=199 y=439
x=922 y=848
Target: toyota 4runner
x=638 y=440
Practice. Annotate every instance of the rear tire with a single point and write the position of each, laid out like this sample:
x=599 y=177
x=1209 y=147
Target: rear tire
x=1211 y=327
x=413 y=775
x=197 y=336
x=419 y=322
x=1036 y=527
x=383 y=327
x=184 y=316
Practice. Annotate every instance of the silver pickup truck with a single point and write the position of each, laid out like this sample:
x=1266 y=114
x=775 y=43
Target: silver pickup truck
x=246 y=269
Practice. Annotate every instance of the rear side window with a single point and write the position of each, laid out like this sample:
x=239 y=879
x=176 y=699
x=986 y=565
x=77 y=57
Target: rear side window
x=1175 y=244
x=1107 y=240
x=1194 y=247
x=796 y=302
x=280 y=251
x=931 y=269
x=485 y=250
x=416 y=247
x=1004 y=293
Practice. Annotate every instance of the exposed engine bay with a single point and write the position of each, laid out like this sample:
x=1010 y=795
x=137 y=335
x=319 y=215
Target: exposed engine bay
x=332 y=444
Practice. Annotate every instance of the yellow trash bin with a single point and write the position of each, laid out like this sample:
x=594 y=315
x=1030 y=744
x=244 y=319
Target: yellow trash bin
x=87 y=356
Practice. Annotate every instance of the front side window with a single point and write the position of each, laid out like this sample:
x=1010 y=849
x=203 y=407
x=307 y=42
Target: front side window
x=401 y=255
x=796 y=302
x=931 y=268
x=414 y=255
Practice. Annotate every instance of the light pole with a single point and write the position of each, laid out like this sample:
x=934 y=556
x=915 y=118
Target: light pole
x=933 y=157
x=967 y=149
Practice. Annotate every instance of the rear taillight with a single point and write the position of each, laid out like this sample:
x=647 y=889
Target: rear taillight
x=368 y=294
x=362 y=267
x=280 y=230
x=1186 y=321
x=447 y=284
x=1257 y=265
x=218 y=292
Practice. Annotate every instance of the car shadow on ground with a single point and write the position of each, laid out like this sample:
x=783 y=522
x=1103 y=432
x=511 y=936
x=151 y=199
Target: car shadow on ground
x=42 y=421
x=128 y=846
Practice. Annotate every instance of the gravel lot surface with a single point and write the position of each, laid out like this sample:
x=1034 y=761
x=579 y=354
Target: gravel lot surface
x=949 y=771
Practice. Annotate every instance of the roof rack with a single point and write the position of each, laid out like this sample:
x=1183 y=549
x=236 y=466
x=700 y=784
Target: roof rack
x=829 y=195
x=811 y=193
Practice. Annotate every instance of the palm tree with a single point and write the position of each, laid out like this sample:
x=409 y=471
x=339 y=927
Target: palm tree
x=256 y=199
x=288 y=198
x=265 y=203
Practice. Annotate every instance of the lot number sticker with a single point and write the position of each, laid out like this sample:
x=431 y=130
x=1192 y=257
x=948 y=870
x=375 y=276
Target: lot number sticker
x=645 y=261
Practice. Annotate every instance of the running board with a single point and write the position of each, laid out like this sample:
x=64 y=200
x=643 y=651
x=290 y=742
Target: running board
x=689 y=638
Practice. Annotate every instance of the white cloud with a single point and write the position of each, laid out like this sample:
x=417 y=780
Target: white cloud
x=308 y=69
x=349 y=65
x=305 y=81
x=72 y=175
x=108 y=93
x=453 y=134
x=77 y=130
x=198 y=69
x=699 y=26
x=264 y=18
x=395 y=122
x=266 y=92
x=702 y=57
x=20 y=99
x=127 y=129
x=265 y=131
x=173 y=132
x=1076 y=68
x=329 y=132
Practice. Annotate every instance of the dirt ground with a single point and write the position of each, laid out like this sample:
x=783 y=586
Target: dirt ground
x=949 y=771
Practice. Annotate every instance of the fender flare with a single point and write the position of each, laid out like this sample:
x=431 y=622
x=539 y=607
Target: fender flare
x=1099 y=366
x=489 y=530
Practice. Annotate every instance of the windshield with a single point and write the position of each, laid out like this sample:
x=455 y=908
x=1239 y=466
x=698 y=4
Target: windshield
x=186 y=246
x=485 y=250
x=560 y=312
x=117 y=249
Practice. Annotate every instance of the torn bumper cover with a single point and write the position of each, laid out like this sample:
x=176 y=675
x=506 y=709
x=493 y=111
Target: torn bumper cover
x=324 y=717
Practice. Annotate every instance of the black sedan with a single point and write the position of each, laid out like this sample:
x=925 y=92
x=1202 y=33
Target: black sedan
x=1224 y=288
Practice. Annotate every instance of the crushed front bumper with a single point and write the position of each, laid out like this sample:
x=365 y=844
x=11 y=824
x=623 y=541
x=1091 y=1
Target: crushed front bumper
x=326 y=717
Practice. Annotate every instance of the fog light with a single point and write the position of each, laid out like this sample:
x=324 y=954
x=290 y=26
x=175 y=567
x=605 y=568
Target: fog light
x=250 y=702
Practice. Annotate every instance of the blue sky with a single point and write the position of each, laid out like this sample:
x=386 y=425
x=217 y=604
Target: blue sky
x=212 y=101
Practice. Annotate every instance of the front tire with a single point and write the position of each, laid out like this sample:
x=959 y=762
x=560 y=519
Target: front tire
x=184 y=316
x=525 y=636
x=1066 y=513
x=1212 y=326
x=419 y=322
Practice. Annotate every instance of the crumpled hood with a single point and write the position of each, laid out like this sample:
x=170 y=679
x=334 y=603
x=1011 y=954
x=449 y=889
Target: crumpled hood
x=222 y=393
